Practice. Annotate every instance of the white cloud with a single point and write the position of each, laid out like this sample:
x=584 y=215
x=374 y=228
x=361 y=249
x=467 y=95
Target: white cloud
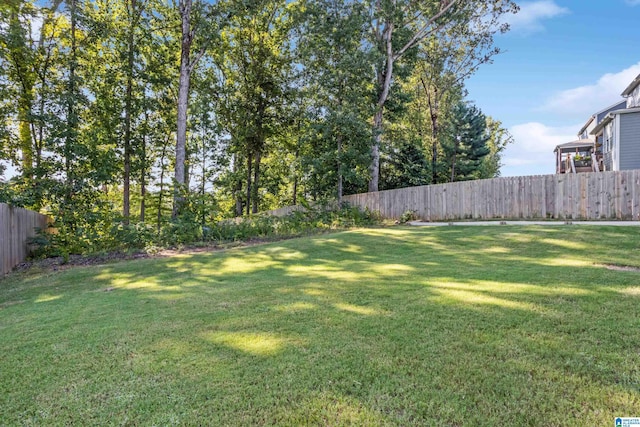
x=532 y=150
x=586 y=100
x=529 y=18
x=633 y=2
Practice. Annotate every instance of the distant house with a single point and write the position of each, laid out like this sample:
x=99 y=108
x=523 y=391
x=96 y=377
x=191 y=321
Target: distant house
x=619 y=132
x=609 y=140
x=596 y=118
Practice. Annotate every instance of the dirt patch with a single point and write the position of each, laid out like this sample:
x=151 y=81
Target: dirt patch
x=621 y=267
x=59 y=264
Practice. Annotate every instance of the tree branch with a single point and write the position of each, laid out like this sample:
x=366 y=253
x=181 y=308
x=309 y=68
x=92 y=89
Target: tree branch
x=424 y=31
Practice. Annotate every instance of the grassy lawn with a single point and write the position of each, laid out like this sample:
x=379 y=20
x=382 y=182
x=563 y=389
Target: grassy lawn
x=402 y=326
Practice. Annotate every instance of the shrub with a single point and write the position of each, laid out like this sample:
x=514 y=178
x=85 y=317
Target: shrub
x=103 y=236
x=408 y=215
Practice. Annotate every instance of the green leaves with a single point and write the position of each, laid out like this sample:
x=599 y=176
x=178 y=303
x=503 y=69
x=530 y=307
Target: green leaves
x=285 y=101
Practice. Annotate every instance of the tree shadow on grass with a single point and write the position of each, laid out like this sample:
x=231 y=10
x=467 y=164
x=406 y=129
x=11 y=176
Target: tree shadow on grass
x=394 y=326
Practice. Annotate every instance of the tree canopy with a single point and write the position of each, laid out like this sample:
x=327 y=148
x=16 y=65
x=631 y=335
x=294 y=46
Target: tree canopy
x=148 y=111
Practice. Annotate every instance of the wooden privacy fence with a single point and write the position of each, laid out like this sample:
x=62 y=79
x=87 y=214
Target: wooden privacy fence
x=17 y=225
x=588 y=196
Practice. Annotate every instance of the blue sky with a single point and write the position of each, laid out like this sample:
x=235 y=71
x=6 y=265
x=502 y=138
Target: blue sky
x=563 y=61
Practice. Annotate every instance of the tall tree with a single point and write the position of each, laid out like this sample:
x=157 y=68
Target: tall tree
x=498 y=140
x=446 y=60
x=71 y=101
x=192 y=20
x=467 y=144
x=26 y=51
x=337 y=85
x=134 y=10
x=19 y=43
x=255 y=62
x=400 y=27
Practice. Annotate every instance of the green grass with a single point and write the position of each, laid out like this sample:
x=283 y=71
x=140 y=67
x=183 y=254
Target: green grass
x=402 y=326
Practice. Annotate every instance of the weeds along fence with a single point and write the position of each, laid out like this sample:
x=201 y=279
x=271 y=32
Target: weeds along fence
x=582 y=196
x=17 y=225
x=586 y=196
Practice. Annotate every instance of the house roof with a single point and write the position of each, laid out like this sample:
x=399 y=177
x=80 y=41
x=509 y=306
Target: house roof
x=572 y=146
x=621 y=104
x=602 y=124
x=617 y=106
x=631 y=86
x=610 y=117
x=586 y=125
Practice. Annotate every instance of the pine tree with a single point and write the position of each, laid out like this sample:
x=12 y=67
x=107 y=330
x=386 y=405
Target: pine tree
x=468 y=142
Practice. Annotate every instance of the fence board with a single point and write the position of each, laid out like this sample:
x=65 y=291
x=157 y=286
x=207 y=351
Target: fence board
x=17 y=225
x=604 y=195
x=582 y=196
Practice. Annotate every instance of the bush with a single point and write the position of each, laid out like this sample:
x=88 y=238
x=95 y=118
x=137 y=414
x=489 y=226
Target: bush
x=104 y=236
x=408 y=215
x=181 y=231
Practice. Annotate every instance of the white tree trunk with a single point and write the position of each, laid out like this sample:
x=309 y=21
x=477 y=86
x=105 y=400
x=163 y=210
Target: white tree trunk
x=384 y=80
x=183 y=102
x=374 y=170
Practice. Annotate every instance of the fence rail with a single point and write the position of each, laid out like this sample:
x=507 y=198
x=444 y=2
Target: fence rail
x=17 y=225
x=582 y=196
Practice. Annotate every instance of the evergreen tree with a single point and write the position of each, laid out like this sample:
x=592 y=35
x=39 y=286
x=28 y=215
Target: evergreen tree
x=467 y=144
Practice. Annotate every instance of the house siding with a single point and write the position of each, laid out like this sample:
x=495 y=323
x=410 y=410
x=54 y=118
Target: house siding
x=629 y=141
x=608 y=146
x=634 y=99
x=608 y=161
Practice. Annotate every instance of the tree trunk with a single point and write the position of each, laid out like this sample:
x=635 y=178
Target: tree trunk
x=295 y=172
x=295 y=190
x=453 y=160
x=187 y=171
x=23 y=73
x=339 y=166
x=25 y=135
x=164 y=153
x=71 y=125
x=203 y=182
x=385 y=75
x=434 y=104
x=374 y=170
x=183 y=101
x=434 y=148
x=126 y=208
x=143 y=168
x=43 y=73
x=237 y=191
x=256 y=180
x=249 y=170
x=39 y=142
